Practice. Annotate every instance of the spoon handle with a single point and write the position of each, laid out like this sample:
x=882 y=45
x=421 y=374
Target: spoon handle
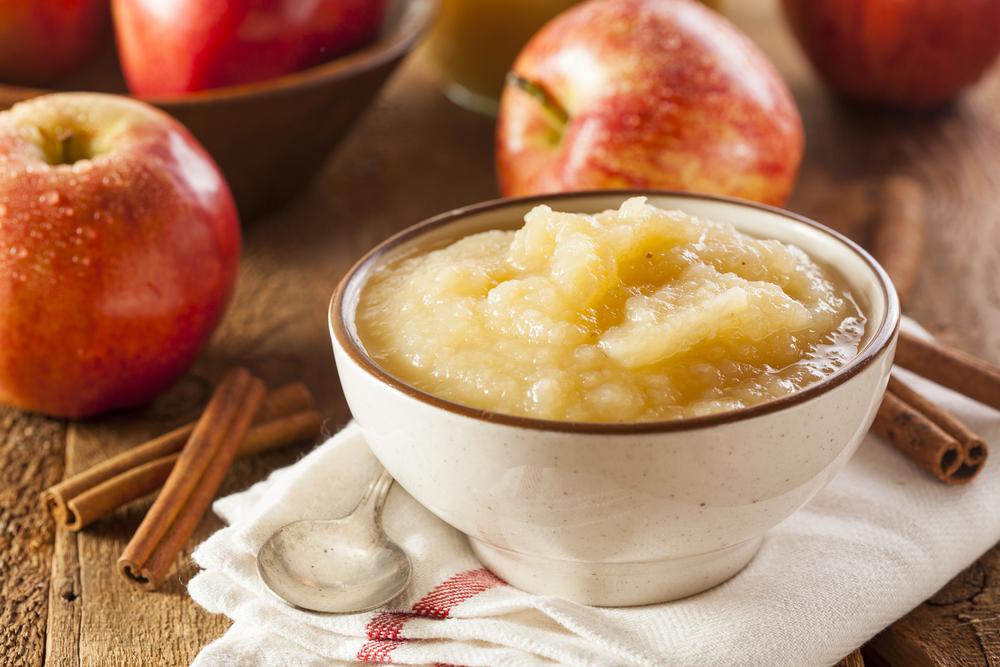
x=371 y=503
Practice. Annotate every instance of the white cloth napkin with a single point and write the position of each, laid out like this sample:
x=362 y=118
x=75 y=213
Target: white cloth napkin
x=882 y=537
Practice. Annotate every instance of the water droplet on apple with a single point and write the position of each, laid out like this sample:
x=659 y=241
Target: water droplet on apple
x=50 y=197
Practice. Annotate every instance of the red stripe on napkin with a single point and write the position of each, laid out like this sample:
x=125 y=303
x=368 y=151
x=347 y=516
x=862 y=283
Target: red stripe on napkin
x=387 y=624
x=456 y=590
x=378 y=651
x=385 y=629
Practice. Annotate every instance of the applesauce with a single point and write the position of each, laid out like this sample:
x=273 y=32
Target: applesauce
x=635 y=314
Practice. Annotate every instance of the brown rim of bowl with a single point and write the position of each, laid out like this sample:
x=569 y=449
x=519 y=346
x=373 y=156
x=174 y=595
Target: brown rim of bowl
x=412 y=25
x=352 y=346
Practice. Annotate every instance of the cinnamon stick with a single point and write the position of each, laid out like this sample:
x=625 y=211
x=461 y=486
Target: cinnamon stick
x=193 y=481
x=950 y=368
x=107 y=496
x=900 y=232
x=923 y=441
x=283 y=401
x=974 y=448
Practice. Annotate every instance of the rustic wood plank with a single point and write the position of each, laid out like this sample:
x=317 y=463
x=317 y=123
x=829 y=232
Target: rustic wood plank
x=62 y=640
x=99 y=625
x=959 y=626
x=31 y=455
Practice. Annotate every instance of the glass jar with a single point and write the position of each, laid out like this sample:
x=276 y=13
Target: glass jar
x=474 y=43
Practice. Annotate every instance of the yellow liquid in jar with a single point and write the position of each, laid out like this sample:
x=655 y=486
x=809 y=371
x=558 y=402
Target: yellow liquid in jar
x=474 y=43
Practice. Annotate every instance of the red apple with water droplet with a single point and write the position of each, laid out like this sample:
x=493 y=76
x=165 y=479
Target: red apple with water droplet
x=646 y=94
x=42 y=40
x=231 y=42
x=119 y=245
x=903 y=53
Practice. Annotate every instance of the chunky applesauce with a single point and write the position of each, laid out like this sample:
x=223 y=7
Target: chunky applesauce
x=634 y=314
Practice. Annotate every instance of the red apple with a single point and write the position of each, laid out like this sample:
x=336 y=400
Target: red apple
x=119 y=244
x=646 y=93
x=910 y=53
x=42 y=40
x=178 y=46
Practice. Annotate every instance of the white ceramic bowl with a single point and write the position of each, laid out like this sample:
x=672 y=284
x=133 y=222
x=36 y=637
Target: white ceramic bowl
x=619 y=514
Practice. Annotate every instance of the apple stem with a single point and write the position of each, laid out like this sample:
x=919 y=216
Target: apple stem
x=557 y=115
x=58 y=145
x=65 y=137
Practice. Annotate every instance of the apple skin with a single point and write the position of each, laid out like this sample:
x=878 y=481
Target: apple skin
x=656 y=94
x=42 y=40
x=114 y=269
x=904 y=53
x=229 y=42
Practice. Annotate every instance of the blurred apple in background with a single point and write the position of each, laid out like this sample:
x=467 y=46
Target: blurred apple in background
x=119 y=244
x=42 y=40
x=910 y=53
x=178 y=46
x=646 y=93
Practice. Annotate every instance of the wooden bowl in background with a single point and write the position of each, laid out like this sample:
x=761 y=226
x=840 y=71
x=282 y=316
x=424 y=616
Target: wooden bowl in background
x=271 y=137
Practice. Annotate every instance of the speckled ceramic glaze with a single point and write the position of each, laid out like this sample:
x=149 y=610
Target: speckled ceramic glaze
x=619 y=514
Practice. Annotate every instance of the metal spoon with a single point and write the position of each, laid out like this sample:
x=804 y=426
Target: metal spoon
x=339 y=565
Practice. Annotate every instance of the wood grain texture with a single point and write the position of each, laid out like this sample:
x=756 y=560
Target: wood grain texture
x=65 y=613
x=96 y=621
x=411 y=156
x=958 y=627
x=31 y=454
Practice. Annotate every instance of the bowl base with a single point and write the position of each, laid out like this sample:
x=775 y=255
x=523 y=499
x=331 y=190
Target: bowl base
x=617 y=584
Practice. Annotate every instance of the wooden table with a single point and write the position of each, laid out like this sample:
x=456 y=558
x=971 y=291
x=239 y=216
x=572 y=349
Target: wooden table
x=414 y=155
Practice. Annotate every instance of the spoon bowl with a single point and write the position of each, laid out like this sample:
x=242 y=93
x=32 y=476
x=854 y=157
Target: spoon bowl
x=339 y=565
